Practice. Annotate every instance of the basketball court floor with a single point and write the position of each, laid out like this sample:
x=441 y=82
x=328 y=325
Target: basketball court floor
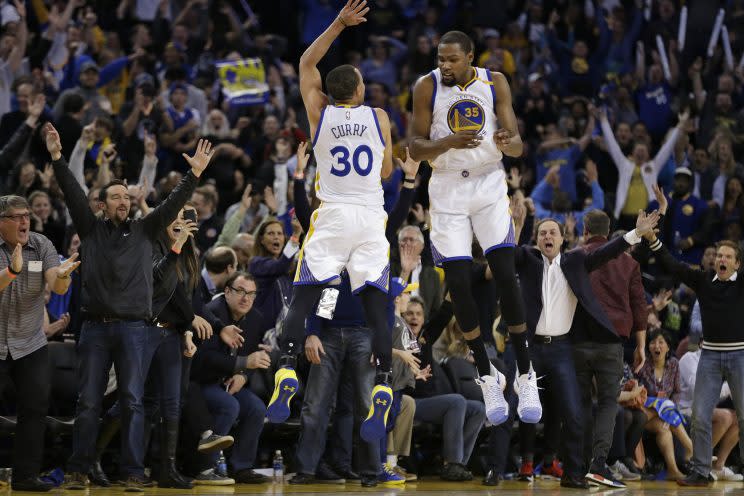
x=435 y=487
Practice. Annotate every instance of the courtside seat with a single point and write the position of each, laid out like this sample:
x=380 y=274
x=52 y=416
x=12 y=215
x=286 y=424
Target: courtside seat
x=462 y=374
x=60 y=425
x=62 y=379
x=7 y=425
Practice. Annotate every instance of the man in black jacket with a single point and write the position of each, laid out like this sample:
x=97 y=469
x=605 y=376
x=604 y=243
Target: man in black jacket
x=721 y=296
x=223 y=372
x=558 y=289
x=117 y=302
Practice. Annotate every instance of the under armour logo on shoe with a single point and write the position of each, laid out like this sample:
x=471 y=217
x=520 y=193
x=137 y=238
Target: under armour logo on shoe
x=381 y=402
x=289 y=388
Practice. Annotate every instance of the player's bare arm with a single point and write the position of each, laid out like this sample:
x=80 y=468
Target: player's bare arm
x=507 y=137
x=387 y=160
x=423 y=148
x=311 y=85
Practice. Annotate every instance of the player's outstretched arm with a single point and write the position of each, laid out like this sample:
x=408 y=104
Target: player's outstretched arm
x=387 y=159
x=507 y=136
x=311 y=86
x=423 y=148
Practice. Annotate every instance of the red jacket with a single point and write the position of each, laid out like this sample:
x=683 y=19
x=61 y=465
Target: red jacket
x=617 y=285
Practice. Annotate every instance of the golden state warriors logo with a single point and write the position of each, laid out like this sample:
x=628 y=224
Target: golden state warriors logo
x=466 y=115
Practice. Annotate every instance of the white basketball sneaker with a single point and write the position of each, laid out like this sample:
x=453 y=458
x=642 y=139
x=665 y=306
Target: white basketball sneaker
x=529 y=408
x=497 y=409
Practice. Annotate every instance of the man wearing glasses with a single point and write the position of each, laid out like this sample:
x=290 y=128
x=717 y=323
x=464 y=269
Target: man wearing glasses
x=223 y=373
x=28 y=262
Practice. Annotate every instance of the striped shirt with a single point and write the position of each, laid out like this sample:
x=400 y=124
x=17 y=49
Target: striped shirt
x=22 y=302
x=721 y=302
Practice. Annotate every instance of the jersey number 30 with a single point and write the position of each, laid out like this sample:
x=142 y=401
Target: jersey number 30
x=343 y=166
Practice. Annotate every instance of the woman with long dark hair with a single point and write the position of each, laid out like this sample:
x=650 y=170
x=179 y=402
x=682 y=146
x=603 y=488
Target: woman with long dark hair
x=272 y=261
x=175 y=275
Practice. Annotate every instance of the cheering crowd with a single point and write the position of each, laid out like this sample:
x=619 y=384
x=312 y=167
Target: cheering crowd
x=152 y=227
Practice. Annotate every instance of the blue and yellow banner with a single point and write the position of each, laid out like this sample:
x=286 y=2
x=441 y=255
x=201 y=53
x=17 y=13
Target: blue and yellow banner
x=243 y=81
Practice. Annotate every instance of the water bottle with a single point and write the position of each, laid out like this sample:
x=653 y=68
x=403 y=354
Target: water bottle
x=222 y=465
x=278 y=467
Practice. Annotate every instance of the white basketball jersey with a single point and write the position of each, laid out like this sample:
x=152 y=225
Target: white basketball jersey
x=461 y=108
x=349 y=149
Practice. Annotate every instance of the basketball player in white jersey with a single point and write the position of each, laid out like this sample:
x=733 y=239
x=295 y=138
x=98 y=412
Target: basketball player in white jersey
x=353 y=150
x=463 y=124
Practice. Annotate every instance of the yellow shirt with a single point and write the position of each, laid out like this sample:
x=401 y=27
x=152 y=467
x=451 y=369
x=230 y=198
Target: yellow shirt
x=509 y=66
x=115 y=90
x=514 y=44
x=637 y=198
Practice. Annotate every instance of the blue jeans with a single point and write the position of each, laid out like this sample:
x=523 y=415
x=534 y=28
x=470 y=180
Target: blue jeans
x=461 y=421
x=554 y=361
x=122 y=343
x=163 y=367
x=245 y=408
x=338 y=451
x=714 y=368
x=347 y=353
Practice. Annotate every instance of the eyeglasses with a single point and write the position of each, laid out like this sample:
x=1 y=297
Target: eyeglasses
x=243 y=293
x=17 y=217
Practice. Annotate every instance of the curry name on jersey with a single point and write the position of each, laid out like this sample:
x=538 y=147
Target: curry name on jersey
x=349 y=150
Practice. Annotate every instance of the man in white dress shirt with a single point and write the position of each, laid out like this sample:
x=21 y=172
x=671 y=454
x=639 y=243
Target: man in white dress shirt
x=556 y=288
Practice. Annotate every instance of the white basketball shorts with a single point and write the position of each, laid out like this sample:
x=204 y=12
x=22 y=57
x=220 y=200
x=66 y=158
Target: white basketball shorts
x=463 y=203
x=344 y=235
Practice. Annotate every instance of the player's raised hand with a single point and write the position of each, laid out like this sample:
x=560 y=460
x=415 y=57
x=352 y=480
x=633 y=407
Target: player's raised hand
x=683 y=116
x=89 y=133
x=553 y=176
x=201 y=157
x=645 y=223
x=353 y=13
x=302 y=159
x=465 y=139
x=591 y=171
x=408 y=260
x=53 y=142
x=151 y=145
x=515 y=178
x=570 y=223
x=409 y=166
x=661 y=199
x=36 y=106
x=518 y=209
